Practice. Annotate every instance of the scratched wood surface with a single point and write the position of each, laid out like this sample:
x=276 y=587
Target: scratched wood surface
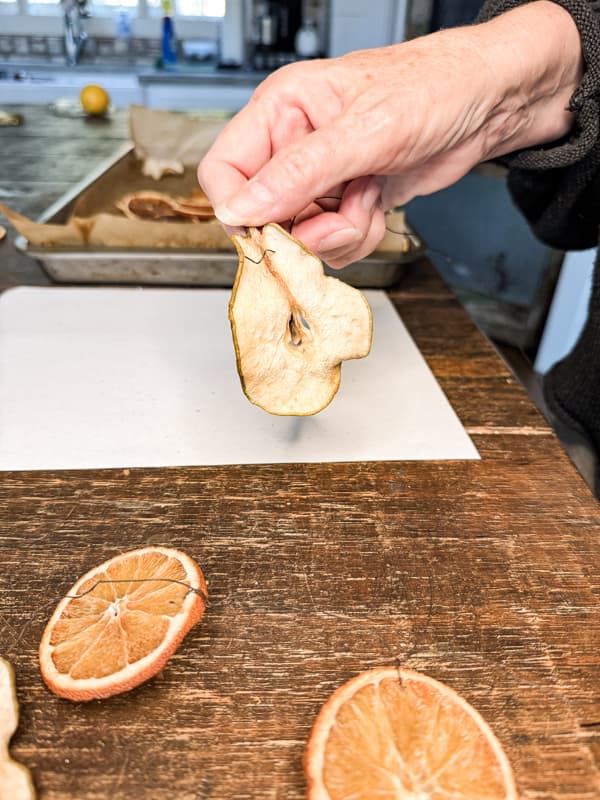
x=485 y=575
x=482 y=574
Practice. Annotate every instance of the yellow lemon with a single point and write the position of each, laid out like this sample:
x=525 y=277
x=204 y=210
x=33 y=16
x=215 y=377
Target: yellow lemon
x=94 y=99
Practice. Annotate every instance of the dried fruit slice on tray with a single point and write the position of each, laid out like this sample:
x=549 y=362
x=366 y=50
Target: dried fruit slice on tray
x=196 y=199
x=391 y=734
x=149 y=205
x=15 y=780
x=119 y=624
x=292 y=325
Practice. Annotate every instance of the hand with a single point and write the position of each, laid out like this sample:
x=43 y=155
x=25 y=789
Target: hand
x=327 y=146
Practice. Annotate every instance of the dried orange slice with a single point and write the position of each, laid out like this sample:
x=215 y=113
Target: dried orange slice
x=394 y=734
x=121 y=622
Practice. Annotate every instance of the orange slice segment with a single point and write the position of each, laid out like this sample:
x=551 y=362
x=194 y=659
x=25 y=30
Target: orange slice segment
x=120 y=623
x=391 y=734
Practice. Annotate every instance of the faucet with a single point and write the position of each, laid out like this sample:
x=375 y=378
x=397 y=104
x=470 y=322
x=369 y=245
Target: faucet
x=74 y=11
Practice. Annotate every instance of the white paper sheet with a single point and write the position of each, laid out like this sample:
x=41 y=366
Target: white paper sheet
x=95 y=377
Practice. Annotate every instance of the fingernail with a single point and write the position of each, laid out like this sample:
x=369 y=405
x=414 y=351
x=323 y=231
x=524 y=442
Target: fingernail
x=342 y=238
x=242 y=208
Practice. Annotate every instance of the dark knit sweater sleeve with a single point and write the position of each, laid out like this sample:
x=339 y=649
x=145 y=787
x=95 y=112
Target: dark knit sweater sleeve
x=557 y=185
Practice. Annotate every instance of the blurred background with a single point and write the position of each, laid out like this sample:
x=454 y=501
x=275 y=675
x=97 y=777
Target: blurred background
x=205 y=55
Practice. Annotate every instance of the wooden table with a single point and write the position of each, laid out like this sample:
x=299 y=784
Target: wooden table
x=485 y=575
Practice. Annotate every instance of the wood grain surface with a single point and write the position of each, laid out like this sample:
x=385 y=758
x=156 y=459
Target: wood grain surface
x=485 y=575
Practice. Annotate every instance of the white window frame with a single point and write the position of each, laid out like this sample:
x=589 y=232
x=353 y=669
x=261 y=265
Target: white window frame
x=18 y=20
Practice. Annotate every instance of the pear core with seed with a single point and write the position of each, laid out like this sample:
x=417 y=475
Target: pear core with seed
x=292 y=325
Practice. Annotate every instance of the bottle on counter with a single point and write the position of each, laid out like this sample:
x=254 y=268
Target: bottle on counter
x=169 y=45
x=122 y=31
x=122 y=24
x=307 y=43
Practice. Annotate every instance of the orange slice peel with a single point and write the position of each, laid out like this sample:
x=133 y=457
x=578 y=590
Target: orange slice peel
x=120 y=623
x=395 y=734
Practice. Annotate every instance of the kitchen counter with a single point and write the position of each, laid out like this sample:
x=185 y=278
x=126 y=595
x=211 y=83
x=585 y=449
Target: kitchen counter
x=181 y=72
x=189 y=74
x=483 y=574
x=196 y=69
x=183 y=86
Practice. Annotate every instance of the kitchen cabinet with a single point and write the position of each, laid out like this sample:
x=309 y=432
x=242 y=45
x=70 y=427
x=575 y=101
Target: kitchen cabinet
x=186 y=88
x=569 y=309
x=198 y=88
x=359 y=24
x=44 y=83
x=195 y=96
x=480 y=242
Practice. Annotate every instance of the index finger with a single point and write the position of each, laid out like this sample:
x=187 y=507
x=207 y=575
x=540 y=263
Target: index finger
x=238 y=152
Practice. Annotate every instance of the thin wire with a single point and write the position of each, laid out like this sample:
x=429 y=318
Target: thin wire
x=262 y=258
x=416 y=241
x=411 y=236
x=139 y=580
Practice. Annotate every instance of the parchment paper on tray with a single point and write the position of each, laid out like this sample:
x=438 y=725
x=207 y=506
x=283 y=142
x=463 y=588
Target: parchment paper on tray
x=95 y=220
x=108 y=230
x=166 y=142
x=167 y=148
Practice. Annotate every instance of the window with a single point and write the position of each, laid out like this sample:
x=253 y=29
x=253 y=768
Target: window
x=142 y=8
x=191 y=8
x=100 y=6
x=43 y=7
x=200 y=8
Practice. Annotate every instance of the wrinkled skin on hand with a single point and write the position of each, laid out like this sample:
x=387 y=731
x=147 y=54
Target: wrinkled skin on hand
x=327 y=146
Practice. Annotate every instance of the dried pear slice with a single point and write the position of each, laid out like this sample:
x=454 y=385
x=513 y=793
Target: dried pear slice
x=15 y=780
x=145 y=206
x=155 y=206
x=292 y=325
x=197 y=199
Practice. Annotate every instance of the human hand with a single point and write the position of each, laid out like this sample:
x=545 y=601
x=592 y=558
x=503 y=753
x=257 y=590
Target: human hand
x=328 y=145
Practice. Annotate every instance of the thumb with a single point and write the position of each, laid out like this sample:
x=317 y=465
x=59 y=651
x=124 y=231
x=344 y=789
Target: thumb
x=295 y=176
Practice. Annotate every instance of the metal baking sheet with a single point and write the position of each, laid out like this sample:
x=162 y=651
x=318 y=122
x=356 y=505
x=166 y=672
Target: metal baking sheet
x=171 y=266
